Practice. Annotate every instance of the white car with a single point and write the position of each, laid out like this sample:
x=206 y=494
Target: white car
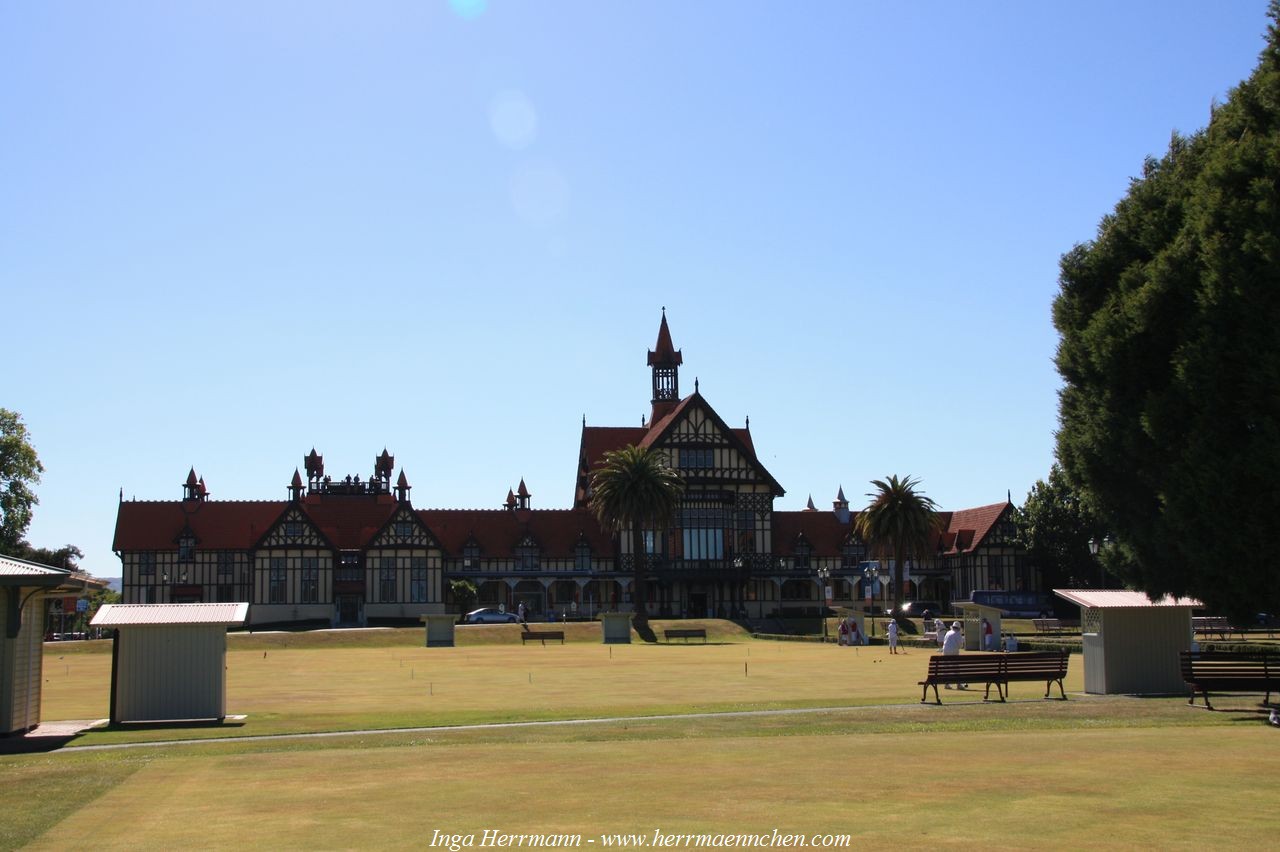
x=489 y=615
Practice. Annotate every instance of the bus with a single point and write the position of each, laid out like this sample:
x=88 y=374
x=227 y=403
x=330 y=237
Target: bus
x=1012 y=604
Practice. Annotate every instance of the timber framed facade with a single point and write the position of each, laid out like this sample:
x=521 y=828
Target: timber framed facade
x=351 y=552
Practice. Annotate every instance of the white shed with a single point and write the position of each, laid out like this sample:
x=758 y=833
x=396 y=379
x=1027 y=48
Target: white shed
x=24 y=586
x=972 y=615
x=1131 y=643
x=168 y=661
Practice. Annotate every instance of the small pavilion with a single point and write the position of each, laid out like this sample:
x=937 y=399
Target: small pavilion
x=24 y=586
x=168 y=661
x=1131 y=643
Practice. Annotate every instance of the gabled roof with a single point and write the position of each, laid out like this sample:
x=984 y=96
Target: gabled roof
x=965 y=530
x=1120 y=599
x=598 y=440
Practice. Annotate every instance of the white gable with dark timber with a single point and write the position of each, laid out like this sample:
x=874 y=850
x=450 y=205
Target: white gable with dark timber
x=292 y=530
x=404 y=530
x=701 y=449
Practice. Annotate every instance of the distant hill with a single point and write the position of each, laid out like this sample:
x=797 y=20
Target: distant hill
x=115 y=584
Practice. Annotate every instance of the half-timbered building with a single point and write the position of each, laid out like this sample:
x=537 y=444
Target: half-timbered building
x=346 y=551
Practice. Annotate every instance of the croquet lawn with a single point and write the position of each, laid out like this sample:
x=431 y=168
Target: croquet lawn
x=863 y=764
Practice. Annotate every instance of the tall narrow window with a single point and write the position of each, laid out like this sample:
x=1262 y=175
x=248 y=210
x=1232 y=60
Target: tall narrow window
x=582 y=557
x=418 y=579
x=186 y=549
x=226 y=562
x=387 y=580
x=276 y=580
x=147 y=563
x=310 y=580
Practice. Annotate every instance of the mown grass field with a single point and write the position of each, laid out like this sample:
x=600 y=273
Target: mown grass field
x=873 y=764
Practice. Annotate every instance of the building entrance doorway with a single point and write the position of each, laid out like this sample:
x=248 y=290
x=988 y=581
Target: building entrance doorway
x=348 y=609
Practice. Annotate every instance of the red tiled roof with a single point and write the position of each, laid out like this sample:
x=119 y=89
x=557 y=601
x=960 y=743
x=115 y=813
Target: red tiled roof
x=229 y=525
x=822 y=530
x=349 y=523
x=498 y=531
x=970 y=527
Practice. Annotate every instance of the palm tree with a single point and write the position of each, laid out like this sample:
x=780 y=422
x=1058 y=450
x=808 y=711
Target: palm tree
x=899 y=520
x=634 y=488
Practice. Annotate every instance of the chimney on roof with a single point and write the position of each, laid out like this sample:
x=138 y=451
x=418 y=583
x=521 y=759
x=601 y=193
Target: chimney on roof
x=840 y=507
x=665 y=360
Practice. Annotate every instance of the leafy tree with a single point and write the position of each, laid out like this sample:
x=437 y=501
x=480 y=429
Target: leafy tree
x=68 y=556
x=464 y=593
x=635 y=489
x=1055 y=527
x=20 y=468
x=900 y=521
x=1170 y=416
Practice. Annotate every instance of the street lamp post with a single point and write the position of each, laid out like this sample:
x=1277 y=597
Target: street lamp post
x=824 y=577
x=870 y=574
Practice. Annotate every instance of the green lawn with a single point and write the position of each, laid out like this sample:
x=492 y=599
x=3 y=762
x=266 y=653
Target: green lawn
x=1101 y=772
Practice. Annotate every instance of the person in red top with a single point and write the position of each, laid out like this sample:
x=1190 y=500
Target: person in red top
x=988 y=639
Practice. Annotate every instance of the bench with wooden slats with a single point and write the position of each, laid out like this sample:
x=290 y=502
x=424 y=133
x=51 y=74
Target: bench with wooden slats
x=1047 y=625
x=685 y=633
x=961 y=671
x=542 y=636
x=998 y=670
x=1227 y=671
x=1206 y=624
x=1035 y=666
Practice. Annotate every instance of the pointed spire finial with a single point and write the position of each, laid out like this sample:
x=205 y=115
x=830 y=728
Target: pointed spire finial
x=695 y=384
x=809 y=507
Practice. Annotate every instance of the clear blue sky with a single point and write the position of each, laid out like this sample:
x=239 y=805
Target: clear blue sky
x=230 y=231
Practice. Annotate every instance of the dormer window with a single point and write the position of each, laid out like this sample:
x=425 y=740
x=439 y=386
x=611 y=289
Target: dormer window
x=582 y=557
x=803 y=551
x=404 y=529
x=293 y=529
x=852 y=553
x=186 y=549
x=471 y=556
x=527 y=556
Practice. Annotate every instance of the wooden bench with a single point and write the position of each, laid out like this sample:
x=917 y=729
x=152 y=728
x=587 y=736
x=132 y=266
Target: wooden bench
x=997 y=669
x=1227 y=671
x=1047 y=625
x=1214 y=624
x=1035 y=666
x=686 y=633
x=542 y=636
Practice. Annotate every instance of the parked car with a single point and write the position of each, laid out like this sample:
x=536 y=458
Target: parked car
x=489 y=615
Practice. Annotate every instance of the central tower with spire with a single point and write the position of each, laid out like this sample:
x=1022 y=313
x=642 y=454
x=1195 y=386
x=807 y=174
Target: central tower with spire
x=665 y=360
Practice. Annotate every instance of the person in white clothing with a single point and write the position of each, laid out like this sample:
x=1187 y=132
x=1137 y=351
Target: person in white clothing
x=951 y=646
x=893 y=636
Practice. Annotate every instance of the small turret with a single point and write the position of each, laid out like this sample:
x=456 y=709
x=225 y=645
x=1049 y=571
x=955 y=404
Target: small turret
x=402 y=487
x=295 y=487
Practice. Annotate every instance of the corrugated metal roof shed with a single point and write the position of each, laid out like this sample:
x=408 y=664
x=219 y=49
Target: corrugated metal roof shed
x=131 y=615
x=1119 y=598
